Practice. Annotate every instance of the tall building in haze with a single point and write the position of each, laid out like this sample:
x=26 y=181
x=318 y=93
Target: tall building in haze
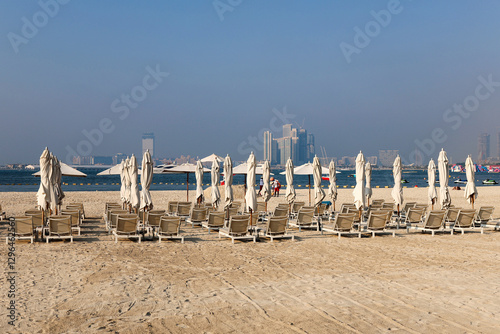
x=483 y=147
x=386 y=157
x=296 y=144
x=148 y=143
x=268 y=146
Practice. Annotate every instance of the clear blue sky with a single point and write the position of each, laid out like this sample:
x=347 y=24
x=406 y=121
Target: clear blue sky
x=226 y=76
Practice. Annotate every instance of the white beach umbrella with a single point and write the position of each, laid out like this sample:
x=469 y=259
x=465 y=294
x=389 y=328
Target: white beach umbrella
x=242 y=169
x=128 y=181
x=54 y=201
x=266 y=187
x=212 y=158
x=66 y=171
x=444 y=193
x=215 y=184
x=228 y=182
x=57 y=177
x=431 y=176
x=368 y=176
x=250 y=197
x=397 y=191
x=470 y=187
x=199 y=182
x=307 y=169
x=319 y=194
x=359 y=190
x=146 y=180
x=332 y=189
x=290 y=190
x=134 y=187
x=185 y=168
x=44 y=192
x=123 y=181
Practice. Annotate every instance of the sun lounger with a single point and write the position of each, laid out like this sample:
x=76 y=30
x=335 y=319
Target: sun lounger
x=23 y=228
x=280 y=211
x=79 y=206
x=38 y=220
x=343 y=224
x=276 y=228
x=304 y=220
x=483 y=217
x=113 y=219
x=172 y=207
x=170 y=228
x=296 y=206
x=215 y=221
x=127 y=227
x=197 y=217
x=377 y=202
x=153 y=220
x=451 y=215
x=377 y=223
x=237 y=229
x=59 y=227
x=75 y=219
x=184 y=209
x=434 y=222
x=465 y=222
x=413 y=216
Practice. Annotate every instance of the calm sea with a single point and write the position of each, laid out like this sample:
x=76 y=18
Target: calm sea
x=23 y=180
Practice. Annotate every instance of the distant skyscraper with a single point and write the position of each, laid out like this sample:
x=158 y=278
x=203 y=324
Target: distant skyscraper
x=118 y=158
x=287 y=130
x=311 y=151
x=302 y=158
x=386 y=157
x=268 y=146
x=483 y=147
x=148 y=143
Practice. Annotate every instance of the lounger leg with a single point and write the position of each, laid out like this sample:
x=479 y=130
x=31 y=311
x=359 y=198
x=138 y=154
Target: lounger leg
x=139 y=239
x=182 y=240
x=373 y=235
x=293 y=238
x=481 y=230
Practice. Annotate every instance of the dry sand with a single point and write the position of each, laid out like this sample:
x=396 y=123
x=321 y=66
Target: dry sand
x=317 y=284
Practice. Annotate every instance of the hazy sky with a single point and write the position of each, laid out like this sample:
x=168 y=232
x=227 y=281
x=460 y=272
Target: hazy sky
x=360 y=75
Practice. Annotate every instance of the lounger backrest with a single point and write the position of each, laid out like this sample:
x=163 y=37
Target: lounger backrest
x=154 y=218
x=421 y=206
x=408 y=205
x=414 y=214
x=233 y=211
x=375 y=206
x=172 y=206
x=377 y=220
x=277 y=225
x=346 y=206
x=75 y=216
x=452 y=213
x=60 y=224
x=198 y=215
x=435 y=219
x=114 y=216
x=183 y=209
x=296 y=206
x=216 y=219
x=24 y=225
x=485 y=213
x=236 y=204
x=261 y=207
x=377 y=201
x=170 y=225
x=465 y=218
x=280 y=211
x=344 y=221
x=37 y=217
x=389 y=206
x=307 y=208
x=238 y=225
x=305 y=216
x=127 y=223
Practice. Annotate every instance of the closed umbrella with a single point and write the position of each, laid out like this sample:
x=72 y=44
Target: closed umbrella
x=146 y=180
x=123 y=180
x=431 y=176
x=134 y=187
x=185 y=168
x=470 y=187
x=444 y=193
x=228 y=182
x=307 y=169
x=290 y=190
x=199 y=182
x=359 y=190
x=332 y=190
x=368 y=176
x=319 y=194
x=215 y=184
x=397 y=191
x=250 y=197
x=44 y=192
x=59 y=194
x=266 y=187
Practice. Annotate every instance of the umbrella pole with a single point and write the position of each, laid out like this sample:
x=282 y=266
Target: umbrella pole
x=432 y=204
x=472 y=201
x=333 y=206
x=309 y=189
x=187 y=187
x=244 y=197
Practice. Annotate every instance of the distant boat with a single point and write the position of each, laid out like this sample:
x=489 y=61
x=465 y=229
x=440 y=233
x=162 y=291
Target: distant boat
x=460 y=181
x=404 y=181
x=489 y=182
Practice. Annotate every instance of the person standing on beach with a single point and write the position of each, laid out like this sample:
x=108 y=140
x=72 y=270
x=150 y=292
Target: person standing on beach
x=261 y=184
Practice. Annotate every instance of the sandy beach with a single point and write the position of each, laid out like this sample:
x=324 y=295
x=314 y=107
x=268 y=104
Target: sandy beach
x=412 y=283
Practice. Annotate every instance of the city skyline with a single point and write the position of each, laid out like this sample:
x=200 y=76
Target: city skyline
x=359 y=75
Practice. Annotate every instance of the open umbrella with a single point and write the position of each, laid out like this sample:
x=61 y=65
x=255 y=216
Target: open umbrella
x=228 y=182
x=290 y=190
x=250 y=197
x=307 y=169
x=368 y=176
x=319 y=194
x=146 y=180
x=266 y=187
x=212 y=158
x=215 y=184
x=444 y=193
x=470 y=187
x=185 y=168
x=66 y=171
x=44 y=192
x=359 y=190
x=199 y=182
x=332 y=189
x=431 y=176
x=134 y=187
x=123 y=181
x=397 y=191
